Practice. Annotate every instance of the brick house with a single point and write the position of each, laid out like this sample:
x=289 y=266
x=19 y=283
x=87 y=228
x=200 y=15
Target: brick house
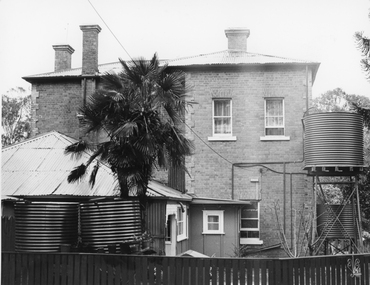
x=247 y=171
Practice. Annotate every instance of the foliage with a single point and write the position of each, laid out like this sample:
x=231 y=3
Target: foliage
x=15 y=116
x=363 y=44
x=139 y=113
x=338 y=101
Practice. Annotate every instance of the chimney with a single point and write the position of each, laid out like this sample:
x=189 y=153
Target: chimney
x=237 y=38
x=90 y=49
x=63 y=57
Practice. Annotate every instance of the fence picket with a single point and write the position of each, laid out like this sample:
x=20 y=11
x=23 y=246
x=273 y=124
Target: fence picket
x=228 y=272
x=193 y=268
x=186 y=269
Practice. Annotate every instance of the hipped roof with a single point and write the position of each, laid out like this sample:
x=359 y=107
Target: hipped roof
x=226 y=58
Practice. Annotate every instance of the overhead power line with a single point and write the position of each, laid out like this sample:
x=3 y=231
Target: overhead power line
x=110 y=29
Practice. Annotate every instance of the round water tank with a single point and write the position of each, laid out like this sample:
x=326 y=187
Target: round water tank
x=104 y=223
x=333 y=139
x=336 y=221
x=45 y=226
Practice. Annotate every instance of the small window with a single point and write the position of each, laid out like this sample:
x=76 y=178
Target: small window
x=249 y=224
x=213 y=222
x=274 y=117
x=181 y=223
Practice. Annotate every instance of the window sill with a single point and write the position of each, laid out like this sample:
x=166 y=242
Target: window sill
x=181 y=238
x=275 y=138
x=251 y=241
x=219 y=138
x=213 y=233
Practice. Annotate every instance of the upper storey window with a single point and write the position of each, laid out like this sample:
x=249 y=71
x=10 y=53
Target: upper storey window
x=222 y=120
x=274 y=119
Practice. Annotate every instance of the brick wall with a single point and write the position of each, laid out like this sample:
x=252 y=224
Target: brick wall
x=55 y=106
x=211 y=169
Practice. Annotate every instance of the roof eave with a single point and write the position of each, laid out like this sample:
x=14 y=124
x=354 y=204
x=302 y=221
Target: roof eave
x=45 y=78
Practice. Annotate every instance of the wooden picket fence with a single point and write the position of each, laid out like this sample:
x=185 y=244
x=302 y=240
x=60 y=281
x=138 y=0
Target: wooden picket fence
x=114 y=269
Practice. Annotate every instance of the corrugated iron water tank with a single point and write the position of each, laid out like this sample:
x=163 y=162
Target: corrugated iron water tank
x=336 y=221
x=45 y=226
x=109 y=222
x=333 y=139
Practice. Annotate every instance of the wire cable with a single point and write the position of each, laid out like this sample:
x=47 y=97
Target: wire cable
x=109 y=29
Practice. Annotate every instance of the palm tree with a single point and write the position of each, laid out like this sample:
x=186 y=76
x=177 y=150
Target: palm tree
x=141 y=111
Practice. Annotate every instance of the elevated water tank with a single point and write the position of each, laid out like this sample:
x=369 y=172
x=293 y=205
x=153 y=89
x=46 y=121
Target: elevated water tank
x=109 y=222
x=333 y=140
x=336 y=221
x=45 y=226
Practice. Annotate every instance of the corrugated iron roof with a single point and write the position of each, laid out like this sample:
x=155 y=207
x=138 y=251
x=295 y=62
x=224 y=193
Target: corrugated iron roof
x=222 y=58
x=156 y=189
x=231 y=57
x=39 y=167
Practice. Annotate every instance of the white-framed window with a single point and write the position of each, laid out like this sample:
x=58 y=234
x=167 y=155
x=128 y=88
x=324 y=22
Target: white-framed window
x=274 y=117
x=182 y=219
x=250 y=224
x=213 y=222
x=274 y=120
x=222 y=119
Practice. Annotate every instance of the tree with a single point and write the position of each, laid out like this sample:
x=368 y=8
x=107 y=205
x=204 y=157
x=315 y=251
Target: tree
x=140 y=112
x=15 y=116
x=363 y=44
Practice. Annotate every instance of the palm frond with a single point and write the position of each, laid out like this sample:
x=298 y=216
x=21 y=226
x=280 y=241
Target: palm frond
x=76 y=149
x=93 y=174
x=77 y=173
x=126 y=130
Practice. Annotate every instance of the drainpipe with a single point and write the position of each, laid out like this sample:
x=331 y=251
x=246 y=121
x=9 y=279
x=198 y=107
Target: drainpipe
x=307 y=102
x=284 y=197
x=291 y=211
x=84 y=92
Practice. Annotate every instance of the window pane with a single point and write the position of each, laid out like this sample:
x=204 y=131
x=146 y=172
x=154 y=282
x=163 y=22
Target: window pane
x=249 y=214
x=250 y=224
x=274 y=108
x=213 y=219
x=274 y=131
x=213 y=227
x=222 y=107
x=249 y=234
x=222 y=125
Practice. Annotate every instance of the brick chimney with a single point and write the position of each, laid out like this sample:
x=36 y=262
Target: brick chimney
x=90 y=49
x=237 y=38
x=63 y=57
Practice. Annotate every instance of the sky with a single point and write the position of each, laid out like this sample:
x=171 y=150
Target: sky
x=315 y=30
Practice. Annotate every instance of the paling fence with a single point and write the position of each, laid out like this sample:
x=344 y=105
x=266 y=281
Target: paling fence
x=111 y=269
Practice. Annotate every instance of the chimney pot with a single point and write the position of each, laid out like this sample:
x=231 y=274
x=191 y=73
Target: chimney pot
x=90 y=49
x=63 y=57
x=237 y=38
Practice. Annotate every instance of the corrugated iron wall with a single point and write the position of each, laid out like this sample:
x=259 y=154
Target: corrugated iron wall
x=156 y=223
